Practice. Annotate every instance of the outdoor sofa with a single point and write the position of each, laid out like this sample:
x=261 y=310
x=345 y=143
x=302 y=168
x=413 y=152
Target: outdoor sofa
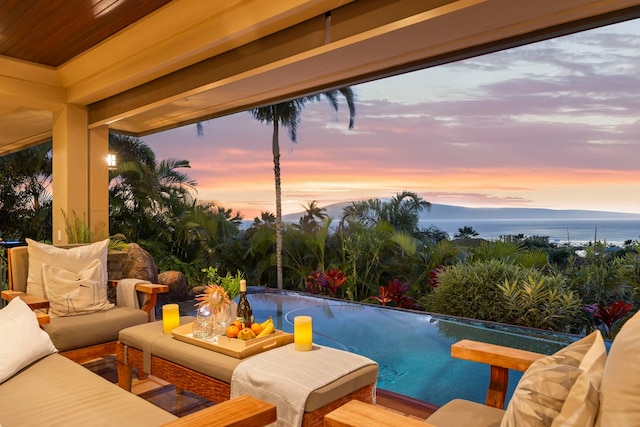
x=39 y=387
x=82 y=325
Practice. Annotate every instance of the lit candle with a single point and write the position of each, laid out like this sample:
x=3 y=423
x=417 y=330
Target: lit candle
x=170 y=317
x=302 y=333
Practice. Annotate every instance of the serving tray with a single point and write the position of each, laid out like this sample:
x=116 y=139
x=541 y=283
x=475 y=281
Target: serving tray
x=232 y=346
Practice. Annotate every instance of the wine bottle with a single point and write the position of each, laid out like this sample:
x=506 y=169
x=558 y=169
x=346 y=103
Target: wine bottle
x=244 y=313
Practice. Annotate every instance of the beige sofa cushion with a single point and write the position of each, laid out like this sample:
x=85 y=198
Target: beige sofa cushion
x=74 y=259
x=21 y=340
x=73 y=332
x=459 y=413
x=620 y=389
x=58 y=392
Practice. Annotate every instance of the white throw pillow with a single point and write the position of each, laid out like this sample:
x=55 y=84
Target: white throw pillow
x=560 y=390
x=620 y=390
x=72 y=293
x=21 y=340
x=73 y=259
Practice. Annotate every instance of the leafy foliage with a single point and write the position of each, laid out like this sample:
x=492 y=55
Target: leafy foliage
x=25 y=196
x=477 y=290
x=544 y=303
x=230 y=283
x=609 y=319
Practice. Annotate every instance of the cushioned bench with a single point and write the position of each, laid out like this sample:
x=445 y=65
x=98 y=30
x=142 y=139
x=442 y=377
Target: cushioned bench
x=208 y=373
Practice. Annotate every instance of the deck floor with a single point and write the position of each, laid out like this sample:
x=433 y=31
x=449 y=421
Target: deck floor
x=164 y=395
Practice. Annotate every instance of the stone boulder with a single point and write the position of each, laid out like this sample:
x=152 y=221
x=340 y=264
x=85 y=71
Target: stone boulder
x=177 y=283
x=139 y=264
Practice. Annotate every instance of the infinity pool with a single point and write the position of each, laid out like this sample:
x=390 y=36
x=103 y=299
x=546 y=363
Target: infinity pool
x=411 y=348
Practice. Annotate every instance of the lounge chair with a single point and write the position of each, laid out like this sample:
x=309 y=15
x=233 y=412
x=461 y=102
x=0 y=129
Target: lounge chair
x=90 y=327
x=579 y=385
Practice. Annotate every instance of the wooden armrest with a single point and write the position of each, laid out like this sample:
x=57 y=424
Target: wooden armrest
x=501 y=360
x=359 y=414
x=152 y=288
x=241 y=411
x=43 y=318
x=495 y=355
x=147 y=288
x=32 y=301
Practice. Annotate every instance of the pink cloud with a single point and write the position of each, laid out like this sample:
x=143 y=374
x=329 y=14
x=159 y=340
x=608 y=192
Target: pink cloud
x=559 y=122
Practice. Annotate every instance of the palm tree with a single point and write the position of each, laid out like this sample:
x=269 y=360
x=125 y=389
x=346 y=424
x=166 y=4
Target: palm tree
x=402 y=211
x=25 y=197
x=465 y=232
x=308 y=222
x=288 y=115
x=143 y=192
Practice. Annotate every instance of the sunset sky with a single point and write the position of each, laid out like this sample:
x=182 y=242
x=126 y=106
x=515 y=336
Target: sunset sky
x=551 y=125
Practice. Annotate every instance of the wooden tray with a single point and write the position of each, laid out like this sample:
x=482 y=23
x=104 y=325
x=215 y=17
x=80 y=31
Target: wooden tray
x=232 y=346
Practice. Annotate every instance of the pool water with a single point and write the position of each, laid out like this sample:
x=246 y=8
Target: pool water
x=411 y=348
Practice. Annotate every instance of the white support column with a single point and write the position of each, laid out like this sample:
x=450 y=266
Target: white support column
x=70 y=168
x=98 y=218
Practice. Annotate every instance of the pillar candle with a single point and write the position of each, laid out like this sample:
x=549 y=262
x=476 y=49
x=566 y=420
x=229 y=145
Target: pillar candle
x=302 y=333
x=170 y=317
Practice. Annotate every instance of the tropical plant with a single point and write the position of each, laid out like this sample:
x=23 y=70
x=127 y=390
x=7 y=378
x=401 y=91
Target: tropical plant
x=288 y=115
x=609 y=318
x=230 y=283
x=313 y=217
x=363 y=254
x=542 y=303
x=465 y=232
x=395 y=294
x=402 y=211
x=513 y=252
x=78 y=231
x=325 y=282
x=25 y=197
x=471 y=289
x=145 y=196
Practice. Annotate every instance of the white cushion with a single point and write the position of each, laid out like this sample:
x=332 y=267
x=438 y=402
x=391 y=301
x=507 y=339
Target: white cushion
x=72 y=293
x=21 y=340
x=561 y=389
x=73 y=259
x=620 y=390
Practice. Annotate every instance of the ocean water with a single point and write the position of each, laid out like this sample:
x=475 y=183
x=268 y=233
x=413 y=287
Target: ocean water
x=560 y=231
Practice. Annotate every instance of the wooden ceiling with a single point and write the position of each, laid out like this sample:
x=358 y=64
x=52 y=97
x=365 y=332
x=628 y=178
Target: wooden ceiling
x=51 y=32
x=143 y=66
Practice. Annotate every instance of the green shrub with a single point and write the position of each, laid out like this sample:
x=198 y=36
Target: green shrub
x=470 y=289
x=473 y=290
x=544 y=303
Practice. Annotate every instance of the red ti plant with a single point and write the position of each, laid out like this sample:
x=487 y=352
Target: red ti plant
x=394 y=293
x=315 y=282
x=385 y=296
x=319 y=281
x=609 y=315
x=433 y=277
x=335 y=278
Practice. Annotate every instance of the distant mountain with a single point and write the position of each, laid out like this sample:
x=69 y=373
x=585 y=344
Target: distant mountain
x=450 y=212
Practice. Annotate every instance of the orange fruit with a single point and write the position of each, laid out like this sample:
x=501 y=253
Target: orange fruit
x=232 y=331
x=246 y=334
x=256 y=327
x=237 y=323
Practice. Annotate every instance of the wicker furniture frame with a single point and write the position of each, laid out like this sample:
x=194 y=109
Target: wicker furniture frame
x=209 y=387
